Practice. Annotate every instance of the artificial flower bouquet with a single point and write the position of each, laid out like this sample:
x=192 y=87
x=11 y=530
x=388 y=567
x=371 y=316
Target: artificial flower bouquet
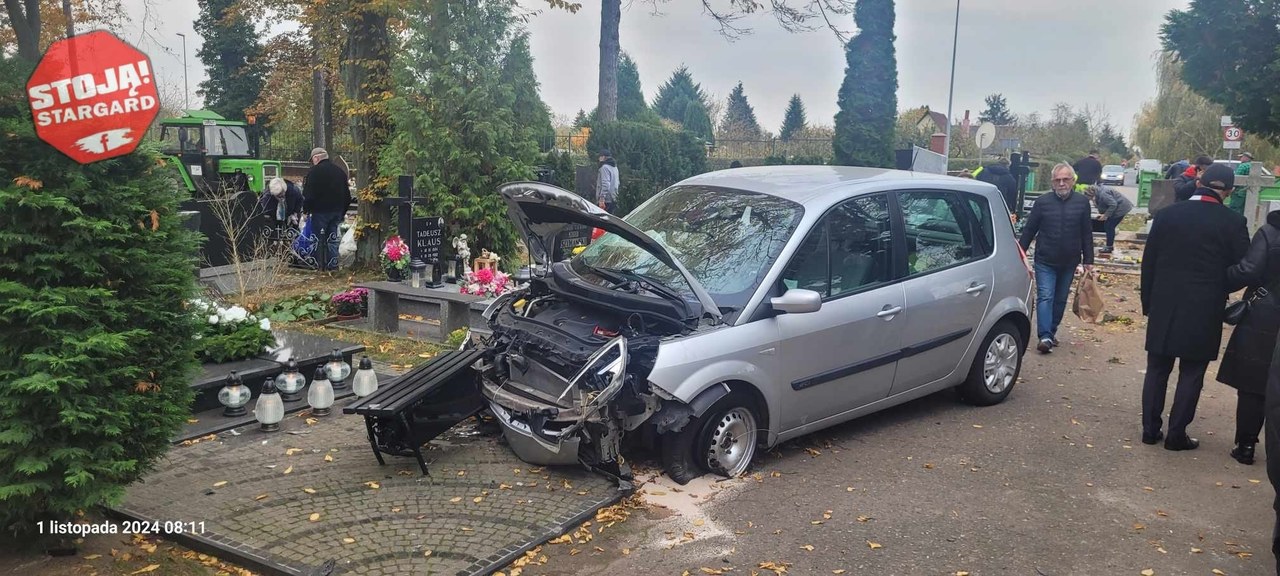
x=395 y=254
x=228 y=334
x=485 y=282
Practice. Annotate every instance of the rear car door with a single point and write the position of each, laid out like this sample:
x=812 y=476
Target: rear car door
x=843 y=356
x=948 y=285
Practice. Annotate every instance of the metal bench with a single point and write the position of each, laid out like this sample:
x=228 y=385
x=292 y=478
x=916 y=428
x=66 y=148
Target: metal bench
x=420 y=405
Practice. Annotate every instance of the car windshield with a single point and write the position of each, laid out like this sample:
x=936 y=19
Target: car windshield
x=1112 y=168
x=727 y=239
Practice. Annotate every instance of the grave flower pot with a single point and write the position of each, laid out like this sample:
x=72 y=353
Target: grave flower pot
x=395 y=274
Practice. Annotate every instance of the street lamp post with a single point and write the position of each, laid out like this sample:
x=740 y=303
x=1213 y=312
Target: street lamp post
x=955 y=39
x=186 y=85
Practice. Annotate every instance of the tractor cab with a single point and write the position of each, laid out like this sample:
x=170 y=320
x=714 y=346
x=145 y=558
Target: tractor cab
x=214 y=155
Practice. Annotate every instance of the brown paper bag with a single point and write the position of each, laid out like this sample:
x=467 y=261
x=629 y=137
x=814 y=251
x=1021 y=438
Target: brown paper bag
x=1088 y=304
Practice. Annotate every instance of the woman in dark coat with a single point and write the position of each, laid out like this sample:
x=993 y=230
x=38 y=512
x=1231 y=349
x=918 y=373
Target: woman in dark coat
x=1246 y=362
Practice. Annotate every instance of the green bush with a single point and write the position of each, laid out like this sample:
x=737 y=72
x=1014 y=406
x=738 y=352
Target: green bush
x=228 y=334
x=95 y=267
x=649 y=158
x=310 y=306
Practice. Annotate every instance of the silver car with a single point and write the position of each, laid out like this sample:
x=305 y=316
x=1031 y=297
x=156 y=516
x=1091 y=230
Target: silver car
x=740 y=309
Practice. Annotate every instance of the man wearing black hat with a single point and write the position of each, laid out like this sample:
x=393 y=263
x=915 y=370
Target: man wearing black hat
x=607 y=182
x=1184 y=293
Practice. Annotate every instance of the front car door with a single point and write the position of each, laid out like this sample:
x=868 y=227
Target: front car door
x=843 y=356
x=949 y=282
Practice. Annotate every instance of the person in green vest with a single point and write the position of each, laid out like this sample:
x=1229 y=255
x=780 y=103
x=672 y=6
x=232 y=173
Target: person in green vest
x=1236 y=202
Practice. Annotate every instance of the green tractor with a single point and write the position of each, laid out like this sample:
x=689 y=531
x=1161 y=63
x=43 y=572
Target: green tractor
x=214 y=154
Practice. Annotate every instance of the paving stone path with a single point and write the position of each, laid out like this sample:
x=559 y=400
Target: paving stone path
x=287 y=503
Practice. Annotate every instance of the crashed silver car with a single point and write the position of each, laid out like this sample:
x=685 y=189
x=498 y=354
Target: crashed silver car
x=739 y=309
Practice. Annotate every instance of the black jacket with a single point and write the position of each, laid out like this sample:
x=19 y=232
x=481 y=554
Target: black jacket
x=326 y=188
x=1000 y=176
x=1184 y=187
x=1184 y=276
x=1062 y=229
x=1088 y=170
x=1244 y=364
x=292 y=201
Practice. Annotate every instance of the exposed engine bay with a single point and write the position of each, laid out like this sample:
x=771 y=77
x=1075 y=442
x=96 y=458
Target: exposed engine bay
x=567 y=378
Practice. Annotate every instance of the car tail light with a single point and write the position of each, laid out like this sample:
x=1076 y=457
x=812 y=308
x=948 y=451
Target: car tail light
x=604 y=333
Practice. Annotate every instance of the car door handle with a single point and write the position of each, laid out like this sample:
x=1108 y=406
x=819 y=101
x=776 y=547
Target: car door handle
x=975 y=288
x=889 y=311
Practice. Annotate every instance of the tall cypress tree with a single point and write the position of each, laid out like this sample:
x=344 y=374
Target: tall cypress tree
x=793 y=122
x=697 y=121
x=632 y=106
x=675 y=94
x=531 y=114
x=230 y=53
x=455 y=129
x=739 y=117
x=868 y=99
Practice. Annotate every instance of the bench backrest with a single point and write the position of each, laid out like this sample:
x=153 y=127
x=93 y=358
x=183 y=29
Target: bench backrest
x=414 y=385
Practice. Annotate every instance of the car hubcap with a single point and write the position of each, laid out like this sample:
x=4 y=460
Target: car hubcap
x=1000 y=364
x=733 y=442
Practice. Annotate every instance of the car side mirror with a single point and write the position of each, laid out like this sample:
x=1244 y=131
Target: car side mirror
x=797 y=301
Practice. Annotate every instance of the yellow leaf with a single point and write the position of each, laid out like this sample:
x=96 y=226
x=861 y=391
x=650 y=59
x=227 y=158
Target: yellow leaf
x=349 y=540
x=962 y=573
x=564 y=539
x=328 y=458
x=292 y=451
x=1148 y=572
x=706 y=570
x=1219 y=572
x=626 y=551
x=462 y=472
x=1139 y=526
x=873 y=545
x=842 y=571
x=373 y=485
x=574 y=552
x=863 y=518
x=977 y=425
x=312 y=421
x=478 y=499
x=309 y=490
x=807 y=547
x=1148 y=489
x=848 y=488
x=315 y=517
x=699 y=522
x=93 y=557
x=425 y=355
x=426 y=554
x=826 y=515
x=219 y=484
x=148 y=568
x=260 y=497
x=192 y=420
x=1252 y=481
x=288 y=470
x=456 y=499
x=1161 y=513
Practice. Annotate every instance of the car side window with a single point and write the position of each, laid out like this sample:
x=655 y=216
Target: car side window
x=861 y=237
x=808 y=267
x=980 y=211
x=939 y=233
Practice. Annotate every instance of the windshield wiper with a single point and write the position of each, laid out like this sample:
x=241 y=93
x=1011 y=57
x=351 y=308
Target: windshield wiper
x=652 y=283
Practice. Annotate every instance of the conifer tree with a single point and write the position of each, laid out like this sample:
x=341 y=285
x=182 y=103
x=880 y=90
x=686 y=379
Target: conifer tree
x=674 y=95
x=231 y=53
x=632 y=106
x=868 y=99
x=739 y=117
x=531 y=114
x=793 y=122
x=455 y=129
x=697 y=121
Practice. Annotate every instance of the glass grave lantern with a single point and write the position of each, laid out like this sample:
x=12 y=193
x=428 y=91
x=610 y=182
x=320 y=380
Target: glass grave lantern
x=269 y=410
x=365 y=381
x=419 y=269
x=291 y=382
x=320 y=395
x=337 y=370
x=234 y=395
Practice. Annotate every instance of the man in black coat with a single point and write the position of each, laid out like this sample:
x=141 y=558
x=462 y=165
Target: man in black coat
x=1061 y=224
x=1088 y=169
x=1184 y=293
x=327 y=196
x=1185 y=185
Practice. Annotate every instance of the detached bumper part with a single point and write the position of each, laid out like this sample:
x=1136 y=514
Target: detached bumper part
x=531 y=448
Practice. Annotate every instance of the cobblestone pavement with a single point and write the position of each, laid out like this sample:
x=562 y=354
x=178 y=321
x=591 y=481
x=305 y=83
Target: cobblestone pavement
x=287 y=503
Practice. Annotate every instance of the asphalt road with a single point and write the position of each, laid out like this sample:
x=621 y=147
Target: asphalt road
x=1052 y=482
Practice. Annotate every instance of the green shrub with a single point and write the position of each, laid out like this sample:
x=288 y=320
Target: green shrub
x=95 y=267
x=228 y=334
x=649 y=158
x=310 y=306
x=456 y=337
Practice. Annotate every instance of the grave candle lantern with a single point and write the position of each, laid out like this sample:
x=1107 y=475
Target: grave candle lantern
x=320 y=396
x=365 y=381
x=418 y=267
x=234 y=395
x=269 y=409
x=337 y=370
x=291 y=382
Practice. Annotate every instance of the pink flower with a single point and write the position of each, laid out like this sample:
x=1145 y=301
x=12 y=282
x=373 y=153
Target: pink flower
x=484 y=276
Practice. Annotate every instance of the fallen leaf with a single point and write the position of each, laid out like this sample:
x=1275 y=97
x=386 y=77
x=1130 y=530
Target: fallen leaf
x=292 y=451
x=93 y=557
x=699 y=522
x=706 y=570
x=396 y=509
x=574 y=552
x=373 y=485
x=456 y=499
x=148 y=568
x=962 y=573
x=328 y=458
x=220 y=484
x=977 y=425
x=309 y=490
x=826 y=515
x=288 y=470
x=465 y=529
x=1196 y=551
x=260 y=497
x=425 y=355
x=848 y=488
x=462 y=472
x=873 y=545
x=192 y=420
x=426 y=554
x=315 y=517
x=478 y=499
x=840 y=571
x=1139 y=526
x=1252 y=481
x=1161 y=513
x=807 y=547
x=1148 y=489
x=863 y=518
x=1148 y=572
x=813 y=452
x=1219 y=572
x=928 y=466
x=349 y=540
x=312 y=421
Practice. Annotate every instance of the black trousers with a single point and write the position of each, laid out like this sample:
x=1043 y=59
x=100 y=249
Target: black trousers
x=1156 y=385
x=1251 y=410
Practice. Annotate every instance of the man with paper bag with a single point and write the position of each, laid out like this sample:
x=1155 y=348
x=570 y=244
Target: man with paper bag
x=1088 y=304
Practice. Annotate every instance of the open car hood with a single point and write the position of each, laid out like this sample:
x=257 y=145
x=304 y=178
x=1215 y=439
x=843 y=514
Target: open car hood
x=542 y=211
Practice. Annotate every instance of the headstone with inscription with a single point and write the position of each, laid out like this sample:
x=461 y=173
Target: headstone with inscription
x=427 y=238
x=573 y=236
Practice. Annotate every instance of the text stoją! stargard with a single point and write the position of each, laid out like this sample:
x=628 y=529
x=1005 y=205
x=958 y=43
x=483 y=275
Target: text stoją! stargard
x=65 y=96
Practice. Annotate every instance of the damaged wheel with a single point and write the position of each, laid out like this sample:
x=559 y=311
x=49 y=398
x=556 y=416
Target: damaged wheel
x=722 y=441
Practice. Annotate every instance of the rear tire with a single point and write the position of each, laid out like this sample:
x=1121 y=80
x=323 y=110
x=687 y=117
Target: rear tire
x=723 y=441
x=996 y=367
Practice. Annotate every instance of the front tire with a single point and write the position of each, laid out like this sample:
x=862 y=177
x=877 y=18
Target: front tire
x=996 y=367
x=723 y=441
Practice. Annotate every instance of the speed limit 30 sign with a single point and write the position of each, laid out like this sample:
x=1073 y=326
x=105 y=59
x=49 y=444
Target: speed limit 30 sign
x=1231 y=137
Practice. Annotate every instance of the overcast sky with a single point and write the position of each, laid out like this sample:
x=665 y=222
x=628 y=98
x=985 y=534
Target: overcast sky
x=1035 y=52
